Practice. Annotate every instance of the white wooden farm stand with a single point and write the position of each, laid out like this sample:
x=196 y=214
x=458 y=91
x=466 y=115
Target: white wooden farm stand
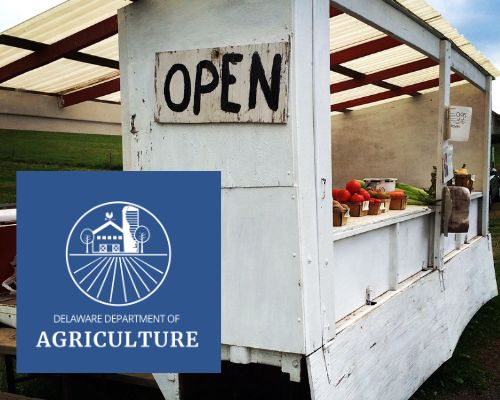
x=294 y=288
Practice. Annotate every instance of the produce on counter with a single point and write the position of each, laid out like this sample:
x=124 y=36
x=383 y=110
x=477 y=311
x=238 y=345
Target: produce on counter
x=382 y=184
x=374 y=208
x=377 y=200
x=399 y=200
x=364 y=193
x=378 y=194
x=461 y=171
x=354 y=194
x=339 y=206
x=343 y=196
x=353 y=186
x=416 y=196
x=396 y=194
x=357 y=198
x=463 y=178
x=339 y=213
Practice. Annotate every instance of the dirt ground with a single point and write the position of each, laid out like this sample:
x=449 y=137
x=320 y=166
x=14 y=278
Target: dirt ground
x=489 y=359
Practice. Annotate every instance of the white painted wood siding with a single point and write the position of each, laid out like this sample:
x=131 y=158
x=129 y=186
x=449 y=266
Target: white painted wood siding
x=379 y=259
x=270 y=255
x=387 y=351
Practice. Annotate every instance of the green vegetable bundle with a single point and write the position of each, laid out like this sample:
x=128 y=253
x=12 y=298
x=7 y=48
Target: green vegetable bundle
x=416 y=196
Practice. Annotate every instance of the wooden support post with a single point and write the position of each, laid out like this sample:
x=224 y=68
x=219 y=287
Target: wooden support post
x=442 y=140
x=395 y=248
x=169 y=385
x=323 y=166
x=487 y=159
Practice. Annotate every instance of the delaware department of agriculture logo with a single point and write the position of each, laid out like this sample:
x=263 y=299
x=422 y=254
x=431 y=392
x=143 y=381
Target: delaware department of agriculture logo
x=118 y=253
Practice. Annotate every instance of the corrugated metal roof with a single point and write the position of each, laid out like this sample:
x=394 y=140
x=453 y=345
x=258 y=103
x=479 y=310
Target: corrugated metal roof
x=432 y=17
x=346 y=31
x=355 y=93
x=72 y=16
x=384 y=59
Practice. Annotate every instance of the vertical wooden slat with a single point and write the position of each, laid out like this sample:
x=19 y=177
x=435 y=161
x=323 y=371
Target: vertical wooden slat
x=442 y=140
x=487 y=158
x=323 y=165
x=395 y=249
x=302 y=78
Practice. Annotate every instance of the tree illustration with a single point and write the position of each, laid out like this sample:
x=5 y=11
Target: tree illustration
x=141 y=236
x=86 y=237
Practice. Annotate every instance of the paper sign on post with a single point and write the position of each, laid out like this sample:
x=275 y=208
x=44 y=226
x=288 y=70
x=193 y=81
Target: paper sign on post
x=460 y=120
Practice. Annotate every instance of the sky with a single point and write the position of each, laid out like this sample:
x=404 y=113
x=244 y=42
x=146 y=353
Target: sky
x=15 y=11
x=477 y=20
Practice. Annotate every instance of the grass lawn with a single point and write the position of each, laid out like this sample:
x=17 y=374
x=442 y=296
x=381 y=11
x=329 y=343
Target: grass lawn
x=36 y=151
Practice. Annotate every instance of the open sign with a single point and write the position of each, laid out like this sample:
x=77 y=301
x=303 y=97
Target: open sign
x=223 y=84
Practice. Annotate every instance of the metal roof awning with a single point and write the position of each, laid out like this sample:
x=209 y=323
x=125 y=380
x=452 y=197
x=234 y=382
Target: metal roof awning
x=67 y=48
x=382 y=50
x=72 y=51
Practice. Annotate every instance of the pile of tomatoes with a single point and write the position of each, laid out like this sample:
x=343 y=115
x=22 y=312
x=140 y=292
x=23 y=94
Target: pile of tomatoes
x=353 y=193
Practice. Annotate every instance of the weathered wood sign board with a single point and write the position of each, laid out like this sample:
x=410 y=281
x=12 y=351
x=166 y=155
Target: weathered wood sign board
x=225 y=84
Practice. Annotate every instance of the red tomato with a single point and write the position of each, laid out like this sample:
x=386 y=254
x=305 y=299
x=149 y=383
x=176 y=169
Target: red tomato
x=343 y=195
x=364 y=193
x=335 y=193
x=357 y=198
x=353 y=186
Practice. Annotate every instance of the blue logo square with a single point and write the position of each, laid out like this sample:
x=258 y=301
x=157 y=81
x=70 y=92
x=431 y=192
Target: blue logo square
x=118 y=272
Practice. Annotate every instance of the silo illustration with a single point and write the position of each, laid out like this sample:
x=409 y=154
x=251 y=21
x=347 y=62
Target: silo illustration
x=130 y=222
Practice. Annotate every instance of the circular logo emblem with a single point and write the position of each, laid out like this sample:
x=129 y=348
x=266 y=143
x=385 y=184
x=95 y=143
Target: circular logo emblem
x=118 y=253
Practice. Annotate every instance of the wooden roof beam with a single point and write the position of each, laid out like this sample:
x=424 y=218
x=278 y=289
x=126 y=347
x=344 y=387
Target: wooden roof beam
x=90 y=93
x=84 y=38
x=334 y=11
x=358 y=76
x=376 y=77
x=32 y=45
x=406 y=90
x=362 y=50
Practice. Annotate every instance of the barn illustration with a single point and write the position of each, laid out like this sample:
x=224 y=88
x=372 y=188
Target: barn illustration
x=108 y=238
x=113 y=238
